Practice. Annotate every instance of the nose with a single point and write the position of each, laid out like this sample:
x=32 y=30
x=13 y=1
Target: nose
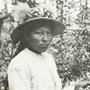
x=45 y=38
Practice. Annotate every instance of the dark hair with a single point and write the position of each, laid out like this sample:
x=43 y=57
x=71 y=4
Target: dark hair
x=29 y=28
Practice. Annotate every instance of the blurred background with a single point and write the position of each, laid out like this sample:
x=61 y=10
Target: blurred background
x=71 y=52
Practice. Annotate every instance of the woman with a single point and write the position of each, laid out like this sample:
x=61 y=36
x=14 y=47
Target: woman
x=32 y=68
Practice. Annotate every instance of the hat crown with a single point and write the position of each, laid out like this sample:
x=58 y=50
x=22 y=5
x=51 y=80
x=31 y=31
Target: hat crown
x=23 y=12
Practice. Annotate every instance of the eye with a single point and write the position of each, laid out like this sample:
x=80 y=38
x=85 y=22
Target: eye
x=39 y=33
x=49 y=33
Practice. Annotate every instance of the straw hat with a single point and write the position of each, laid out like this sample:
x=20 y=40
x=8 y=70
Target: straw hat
x=18 y=32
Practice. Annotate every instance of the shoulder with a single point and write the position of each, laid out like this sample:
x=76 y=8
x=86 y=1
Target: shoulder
x=50 y=59
x=19 y=61
x=49 y=55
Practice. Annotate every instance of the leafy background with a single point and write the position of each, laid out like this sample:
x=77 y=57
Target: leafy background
x=71 y=52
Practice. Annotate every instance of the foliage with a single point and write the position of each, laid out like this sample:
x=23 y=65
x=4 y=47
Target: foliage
x=71 y=52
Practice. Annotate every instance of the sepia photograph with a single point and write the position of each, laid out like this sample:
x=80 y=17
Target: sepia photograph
x=44 y=45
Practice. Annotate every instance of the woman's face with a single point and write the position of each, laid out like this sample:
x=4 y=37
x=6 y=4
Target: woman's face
x=39 y=39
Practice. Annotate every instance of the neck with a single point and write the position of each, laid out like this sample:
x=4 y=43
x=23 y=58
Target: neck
x=34 y=51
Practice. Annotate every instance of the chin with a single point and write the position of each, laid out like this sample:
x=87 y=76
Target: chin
x=43 y=50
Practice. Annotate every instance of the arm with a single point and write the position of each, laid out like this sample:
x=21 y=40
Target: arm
x=82 y=85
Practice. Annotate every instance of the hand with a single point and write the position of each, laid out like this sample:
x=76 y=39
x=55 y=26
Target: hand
x=82 y=85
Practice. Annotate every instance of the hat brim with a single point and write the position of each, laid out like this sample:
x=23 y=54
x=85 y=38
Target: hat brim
x=17 y=33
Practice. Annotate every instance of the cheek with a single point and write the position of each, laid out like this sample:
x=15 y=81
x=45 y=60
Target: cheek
x=34 y=41
x=50 y=38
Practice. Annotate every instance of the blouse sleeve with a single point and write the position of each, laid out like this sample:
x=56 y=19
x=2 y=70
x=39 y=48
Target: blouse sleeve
x=18 y=80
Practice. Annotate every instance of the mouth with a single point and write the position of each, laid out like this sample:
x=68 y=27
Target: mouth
x=44 y=45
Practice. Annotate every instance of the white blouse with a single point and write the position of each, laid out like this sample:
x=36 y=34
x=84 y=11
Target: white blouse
x=31 y=71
